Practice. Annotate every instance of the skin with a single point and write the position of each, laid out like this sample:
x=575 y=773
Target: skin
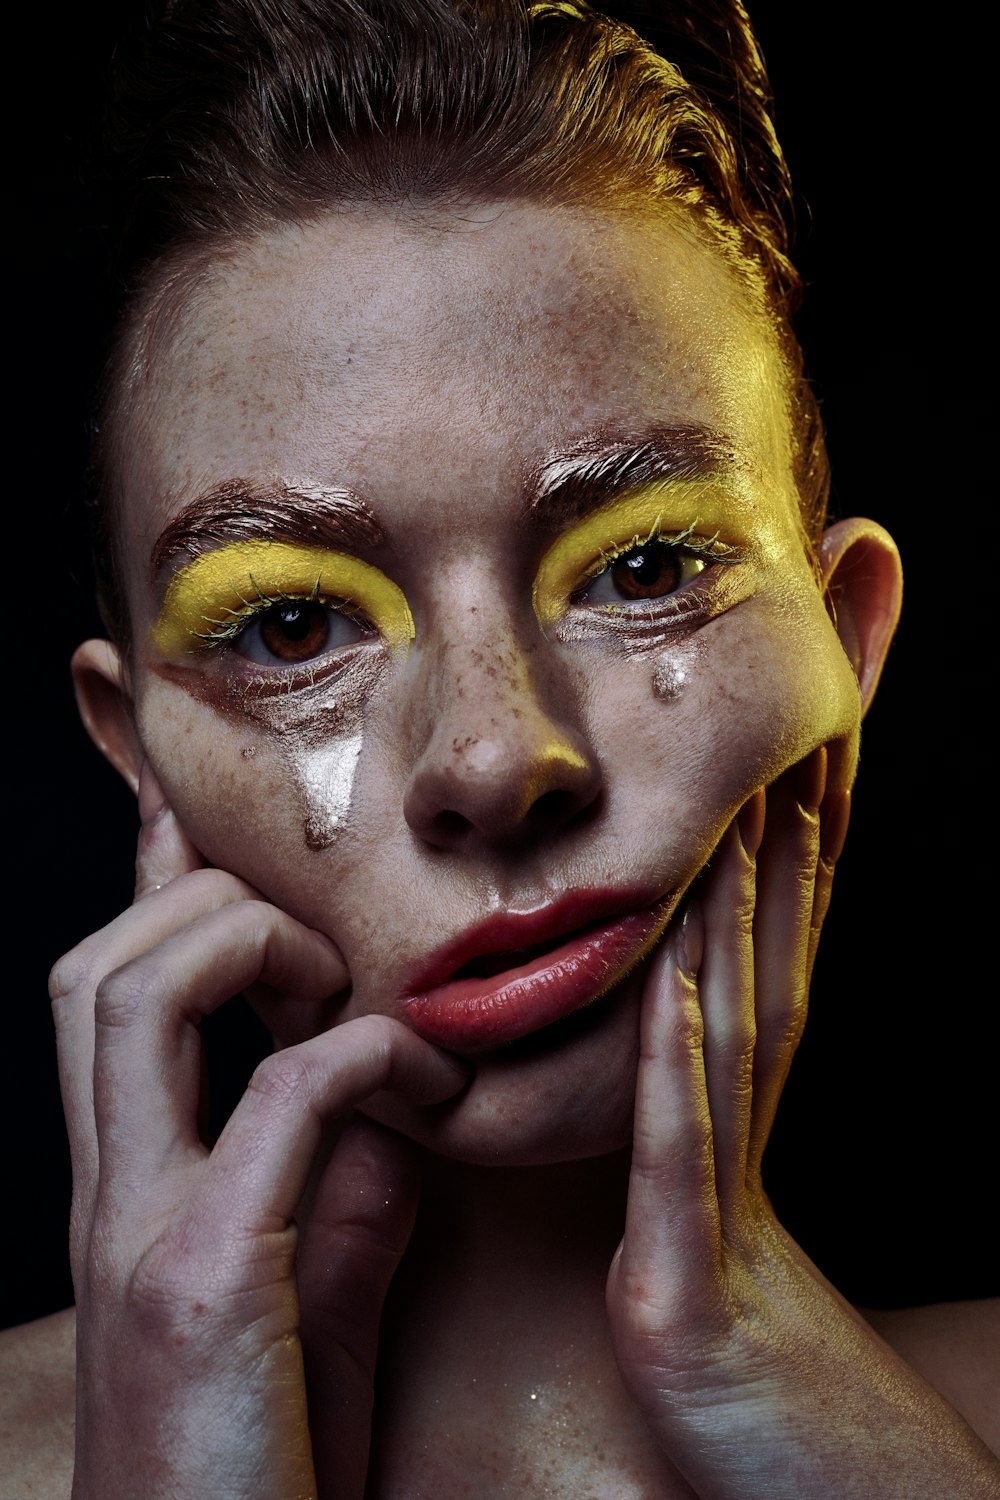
x=428 y=366
x=501 y=397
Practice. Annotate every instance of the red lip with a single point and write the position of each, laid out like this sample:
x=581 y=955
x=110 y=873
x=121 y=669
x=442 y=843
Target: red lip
x=605 y=933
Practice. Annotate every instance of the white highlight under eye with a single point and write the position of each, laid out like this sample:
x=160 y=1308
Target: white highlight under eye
x=668 y=678
x=326 y=776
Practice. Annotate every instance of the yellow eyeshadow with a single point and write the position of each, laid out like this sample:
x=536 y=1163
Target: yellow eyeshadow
x=208 y=596
x=583 y=551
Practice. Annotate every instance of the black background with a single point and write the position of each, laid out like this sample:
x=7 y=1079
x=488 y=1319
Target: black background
x=882 y=1159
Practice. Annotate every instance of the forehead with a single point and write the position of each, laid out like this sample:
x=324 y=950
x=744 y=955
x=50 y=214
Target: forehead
x=409 y=356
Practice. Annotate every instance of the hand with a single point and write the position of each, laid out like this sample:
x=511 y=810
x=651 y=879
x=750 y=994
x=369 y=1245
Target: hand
x=755 y=1377
x=190 y=1368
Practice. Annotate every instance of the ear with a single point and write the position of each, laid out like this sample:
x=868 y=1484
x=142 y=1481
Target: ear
x=105 y=703
x=863 y=580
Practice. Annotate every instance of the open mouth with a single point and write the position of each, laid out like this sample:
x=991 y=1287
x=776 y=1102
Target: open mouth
x=485 y=992
x=486 y=965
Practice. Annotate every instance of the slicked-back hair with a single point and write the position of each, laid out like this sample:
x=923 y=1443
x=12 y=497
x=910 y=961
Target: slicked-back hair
x=229 y=117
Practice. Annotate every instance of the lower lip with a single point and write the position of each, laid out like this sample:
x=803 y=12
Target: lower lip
x=476 y=1014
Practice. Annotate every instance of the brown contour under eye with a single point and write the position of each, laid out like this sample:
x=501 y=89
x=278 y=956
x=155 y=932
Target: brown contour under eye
x=583 y=551
x=222 y=589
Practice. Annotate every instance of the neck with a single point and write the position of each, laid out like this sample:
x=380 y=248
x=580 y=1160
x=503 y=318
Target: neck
x=495 y=1359
x=571 y=1211
x=503 y=1282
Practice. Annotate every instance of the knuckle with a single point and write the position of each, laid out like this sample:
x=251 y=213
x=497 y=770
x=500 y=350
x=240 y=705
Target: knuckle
x=281 y=1080
x=70 y=974
x=780 y=1034
x=257 y=928
x=688 y=1032
x=744 y=915
x=734 y=1049
x=169 y=1295
x=379 y=1035
x=256 y=918
x=125 y=994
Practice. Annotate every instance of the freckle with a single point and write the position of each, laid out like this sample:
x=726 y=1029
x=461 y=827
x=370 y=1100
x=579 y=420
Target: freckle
x=668 y=679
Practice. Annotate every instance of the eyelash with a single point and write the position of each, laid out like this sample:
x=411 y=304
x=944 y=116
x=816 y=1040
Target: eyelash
x=224 y=632
x=686 y=543
x=228 y=631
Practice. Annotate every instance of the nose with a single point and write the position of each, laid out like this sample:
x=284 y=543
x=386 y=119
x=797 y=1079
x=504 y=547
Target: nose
x=501 y=762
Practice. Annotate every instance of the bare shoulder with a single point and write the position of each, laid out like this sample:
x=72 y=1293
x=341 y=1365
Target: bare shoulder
x=36 y=1406
x=955 y=1346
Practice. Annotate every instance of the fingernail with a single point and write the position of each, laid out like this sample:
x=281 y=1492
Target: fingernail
x=809 y=780
x=152 y=802
x=834 y=819
x=691 y=943
x=750 y=823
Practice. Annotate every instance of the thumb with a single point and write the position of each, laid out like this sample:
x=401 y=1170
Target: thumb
x=360 y=1224
x=164 y=850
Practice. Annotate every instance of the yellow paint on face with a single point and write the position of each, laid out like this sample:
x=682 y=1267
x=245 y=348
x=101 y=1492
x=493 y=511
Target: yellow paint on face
x=580 y=554
x=209 y=597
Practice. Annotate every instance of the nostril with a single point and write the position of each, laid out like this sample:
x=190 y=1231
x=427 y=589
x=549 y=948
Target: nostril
x=553 y=809
x=451 y=825
x=526 y=782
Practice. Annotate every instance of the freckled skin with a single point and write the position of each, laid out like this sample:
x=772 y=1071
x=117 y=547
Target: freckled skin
x=474 y=351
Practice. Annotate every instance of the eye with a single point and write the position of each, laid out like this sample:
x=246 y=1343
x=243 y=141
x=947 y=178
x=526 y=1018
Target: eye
x=650 y=570
x=296 y=631
x=278 y=604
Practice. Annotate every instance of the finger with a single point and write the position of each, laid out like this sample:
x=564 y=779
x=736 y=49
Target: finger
x=261 y=1162
x=164 y=850
x=75 y=977
x=357 y=1230
x=786 y=897
x=72 y=987
x=671 y=1246
x=726 y=987
x=147 y=1060
x=835 y=814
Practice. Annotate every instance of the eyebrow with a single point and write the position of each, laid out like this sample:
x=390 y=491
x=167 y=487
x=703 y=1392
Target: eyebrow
x=570 y=484
x=242 y=510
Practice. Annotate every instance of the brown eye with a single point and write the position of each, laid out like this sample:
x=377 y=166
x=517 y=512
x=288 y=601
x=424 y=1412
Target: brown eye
x=297 y=631
x=651 y=570
x=647 y=572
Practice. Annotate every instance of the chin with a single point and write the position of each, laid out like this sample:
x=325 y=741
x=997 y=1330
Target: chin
x=565 y=1093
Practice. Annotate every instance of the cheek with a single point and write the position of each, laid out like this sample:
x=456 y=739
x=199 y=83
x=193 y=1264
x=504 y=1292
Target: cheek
x=262 y=792
x=708 y=719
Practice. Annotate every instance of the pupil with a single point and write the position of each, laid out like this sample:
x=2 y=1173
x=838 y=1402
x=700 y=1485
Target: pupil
x=645 y=568
x=295 y=623
x=295 y=632
x=647 y=573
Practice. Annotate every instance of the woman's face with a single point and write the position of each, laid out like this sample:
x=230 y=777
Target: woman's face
x=535 y=619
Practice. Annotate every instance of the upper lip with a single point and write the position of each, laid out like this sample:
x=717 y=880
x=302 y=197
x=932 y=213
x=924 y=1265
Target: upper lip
x=506 y=932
